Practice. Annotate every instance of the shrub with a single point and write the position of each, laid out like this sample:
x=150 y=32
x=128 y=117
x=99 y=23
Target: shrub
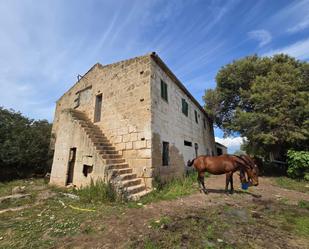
x=298 y=164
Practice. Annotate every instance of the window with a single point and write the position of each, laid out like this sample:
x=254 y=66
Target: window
x=204 y=121
x=165 y=154
x=164 y=90
x=185 y=107
x=195 y=114
x=187 y=143
x=87 y=169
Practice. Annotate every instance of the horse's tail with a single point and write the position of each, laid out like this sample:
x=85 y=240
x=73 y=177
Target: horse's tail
x=190 y=163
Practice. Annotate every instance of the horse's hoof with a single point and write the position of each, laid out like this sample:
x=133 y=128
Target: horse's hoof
x=231 y=192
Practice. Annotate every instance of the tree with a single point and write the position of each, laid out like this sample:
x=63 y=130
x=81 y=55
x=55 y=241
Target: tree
x=266 y=100
x=24 y=145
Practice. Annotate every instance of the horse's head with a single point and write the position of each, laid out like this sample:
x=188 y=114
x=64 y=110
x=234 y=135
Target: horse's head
x=253 y=174
x=252 y=170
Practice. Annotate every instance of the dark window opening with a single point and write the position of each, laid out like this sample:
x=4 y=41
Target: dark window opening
x=164 y=94
x=204 y=121
x=195 y=114
x=165 y=154
x=219 y=151
x=98 y=108
x=185 y=107
x=187 y=143
x=87 y=170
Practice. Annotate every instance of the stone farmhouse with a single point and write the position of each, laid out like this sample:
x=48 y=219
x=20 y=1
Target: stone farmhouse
x=128 y=122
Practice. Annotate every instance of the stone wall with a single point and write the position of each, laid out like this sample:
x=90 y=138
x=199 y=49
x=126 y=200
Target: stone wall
x=169 y=124
x=125 y=115
x=71 y=135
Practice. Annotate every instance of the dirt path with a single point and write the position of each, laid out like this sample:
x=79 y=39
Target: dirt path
x=134 y=223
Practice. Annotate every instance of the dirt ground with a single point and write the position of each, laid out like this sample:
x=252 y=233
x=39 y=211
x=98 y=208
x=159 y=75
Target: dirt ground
x=240 y=220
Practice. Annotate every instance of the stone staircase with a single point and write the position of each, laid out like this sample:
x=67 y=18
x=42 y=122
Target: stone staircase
x=121 y=175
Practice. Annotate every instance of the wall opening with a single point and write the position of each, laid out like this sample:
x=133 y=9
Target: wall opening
x=72 y=159
x=165 y=154
x=98 y=108
x=187 y=143
x=196 y=149
x=87 y=169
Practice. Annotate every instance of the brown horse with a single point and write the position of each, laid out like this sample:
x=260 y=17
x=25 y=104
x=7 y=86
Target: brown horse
x=225 y=164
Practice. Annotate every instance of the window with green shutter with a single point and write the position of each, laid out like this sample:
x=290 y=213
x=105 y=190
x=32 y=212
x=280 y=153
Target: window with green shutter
x=185 y=107
x=164 y=94
x=195 y=114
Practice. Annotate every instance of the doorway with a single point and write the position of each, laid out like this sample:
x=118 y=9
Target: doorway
x=196 y=149
x=98 y=108
x=72 y=159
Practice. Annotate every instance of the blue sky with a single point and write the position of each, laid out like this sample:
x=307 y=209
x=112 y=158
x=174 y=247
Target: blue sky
x=44 y=45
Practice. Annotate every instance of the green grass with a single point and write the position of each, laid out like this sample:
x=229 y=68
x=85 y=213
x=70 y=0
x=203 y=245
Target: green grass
x=157 y=223
x=288 y=183
x=58 y=216
x=97 y=192
x=174 y=189
x=294 y=221
x=303 y=204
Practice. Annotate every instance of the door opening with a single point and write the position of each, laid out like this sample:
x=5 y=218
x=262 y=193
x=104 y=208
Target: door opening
x=196 y=149
x=98 y=108
x=72 y=159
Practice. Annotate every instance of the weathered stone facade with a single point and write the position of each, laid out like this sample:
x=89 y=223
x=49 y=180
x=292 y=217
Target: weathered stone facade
x=134 y=119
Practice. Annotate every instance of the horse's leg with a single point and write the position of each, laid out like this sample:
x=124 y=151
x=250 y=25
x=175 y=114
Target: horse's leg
x=227 y=181
x=231 y=181
x=201 y=177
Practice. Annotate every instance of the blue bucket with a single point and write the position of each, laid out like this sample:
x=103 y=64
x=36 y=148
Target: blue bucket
x=245 y=185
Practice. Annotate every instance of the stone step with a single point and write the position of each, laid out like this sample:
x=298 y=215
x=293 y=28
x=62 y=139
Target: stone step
x=109 y=156
x=134 y=189
x=137 y=196
x=110 y=152
x=114 y=161
x=117 y=166
x=102 y=143
x=98 y=139
x=131 y=182
x=122 y=171
x=102 y=147
x=127 y=176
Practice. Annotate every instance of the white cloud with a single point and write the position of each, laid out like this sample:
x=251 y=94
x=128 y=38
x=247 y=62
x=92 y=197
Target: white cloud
x=299 y=50
x=262 y=36
x=300 y=26
x=232 y=143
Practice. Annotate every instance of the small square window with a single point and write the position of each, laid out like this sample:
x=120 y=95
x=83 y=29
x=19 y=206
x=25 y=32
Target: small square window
x=185 y=107
x=164 y=94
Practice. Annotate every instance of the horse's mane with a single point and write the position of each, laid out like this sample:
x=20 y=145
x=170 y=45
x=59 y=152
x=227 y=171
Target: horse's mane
x=245 y=161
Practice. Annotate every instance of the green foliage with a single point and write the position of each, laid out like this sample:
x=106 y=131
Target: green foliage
x=298 y=164
x=97 y=192
x=264 y=99
x=303 y=204
x=294 y=184
x=173 y=189
x=24 y=145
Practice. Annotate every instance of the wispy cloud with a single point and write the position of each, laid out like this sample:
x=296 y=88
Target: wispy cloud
x=262 y=36
x=299 y=50
x=302 y=25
